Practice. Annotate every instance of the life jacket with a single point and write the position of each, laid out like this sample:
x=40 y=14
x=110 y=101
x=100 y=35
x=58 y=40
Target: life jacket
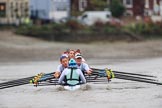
x=72 y=78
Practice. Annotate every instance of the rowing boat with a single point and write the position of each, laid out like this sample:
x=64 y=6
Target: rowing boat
x=98 y=75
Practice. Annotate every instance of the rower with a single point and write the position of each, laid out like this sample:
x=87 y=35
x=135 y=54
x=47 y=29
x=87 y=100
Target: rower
x=64 y=64
x=72 y=75
x=71 y=54
x=81 y=64
x=79 y=52
x=64 y=59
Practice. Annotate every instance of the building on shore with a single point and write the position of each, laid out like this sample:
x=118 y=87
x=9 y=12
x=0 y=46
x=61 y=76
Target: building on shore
x=143 y=7
x=52 y=10
x=13 y=11
x=16 y=11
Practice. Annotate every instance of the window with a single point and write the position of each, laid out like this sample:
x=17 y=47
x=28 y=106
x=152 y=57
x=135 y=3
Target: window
x=2 y=10
x=146 y=3
x=128 y=13
x=84 y=16
x=61 y=5
x=128 y=3
x=108 y=16
x=26 y=9
x=12 y=9
x=82 y=4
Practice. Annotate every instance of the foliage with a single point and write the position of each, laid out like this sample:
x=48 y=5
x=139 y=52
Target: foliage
x=76 y=32
x=146 y=29
x=74 y=25
x=117 y=8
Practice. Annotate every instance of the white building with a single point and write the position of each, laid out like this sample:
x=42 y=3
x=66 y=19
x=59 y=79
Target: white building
x=49 y=9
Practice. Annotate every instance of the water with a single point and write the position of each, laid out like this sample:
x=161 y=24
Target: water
x=116 y=94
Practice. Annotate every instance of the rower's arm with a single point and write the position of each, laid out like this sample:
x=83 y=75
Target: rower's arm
x=61 y=79
x=81 y=76
x=58 y=71
x=86 y=68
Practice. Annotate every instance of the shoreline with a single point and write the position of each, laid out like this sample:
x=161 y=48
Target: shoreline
x=15 y=49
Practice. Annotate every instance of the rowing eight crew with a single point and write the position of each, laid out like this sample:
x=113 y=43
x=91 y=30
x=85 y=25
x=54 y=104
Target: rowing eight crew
x=72 y=68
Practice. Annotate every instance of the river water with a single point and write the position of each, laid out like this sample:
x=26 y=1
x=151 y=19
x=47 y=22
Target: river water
x=116 y=94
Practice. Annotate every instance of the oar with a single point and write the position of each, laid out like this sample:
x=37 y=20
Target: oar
x=138 y=80
x=46 y=78
x=14 y=84
x=126 y=73
x=51 y=81
x=13 y=81
x=139 y=77
x=132 y=78
x=18 y=82
x=21 y=82
x=56 y=83
x=48 y=84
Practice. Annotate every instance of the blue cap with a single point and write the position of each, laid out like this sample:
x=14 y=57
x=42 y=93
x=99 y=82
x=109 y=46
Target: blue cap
x=63 y=56
x=72 y=63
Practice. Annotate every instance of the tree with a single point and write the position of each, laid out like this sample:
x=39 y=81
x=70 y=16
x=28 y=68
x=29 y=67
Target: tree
x=117 y=8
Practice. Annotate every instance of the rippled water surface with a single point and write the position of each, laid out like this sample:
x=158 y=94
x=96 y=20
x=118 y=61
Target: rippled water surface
x=116 y=94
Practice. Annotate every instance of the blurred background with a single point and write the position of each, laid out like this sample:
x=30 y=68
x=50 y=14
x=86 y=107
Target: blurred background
x=78 y=21
x=83 y=20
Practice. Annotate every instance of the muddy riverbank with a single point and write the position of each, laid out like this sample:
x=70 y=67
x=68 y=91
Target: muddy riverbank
x=14 y=48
